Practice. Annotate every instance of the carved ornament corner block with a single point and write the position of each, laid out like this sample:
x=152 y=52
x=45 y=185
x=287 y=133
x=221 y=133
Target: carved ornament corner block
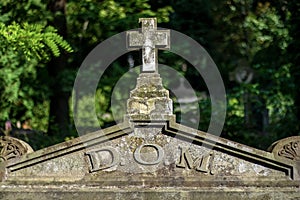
x=287 y=148
x=12 y=148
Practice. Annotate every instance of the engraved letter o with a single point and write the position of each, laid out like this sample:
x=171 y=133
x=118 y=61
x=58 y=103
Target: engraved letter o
x=159 y=150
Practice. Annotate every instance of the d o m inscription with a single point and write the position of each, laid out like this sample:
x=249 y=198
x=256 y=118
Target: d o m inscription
x=108 y=157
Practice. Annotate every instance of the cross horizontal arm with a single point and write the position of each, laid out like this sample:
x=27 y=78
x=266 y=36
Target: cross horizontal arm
x=149 y=39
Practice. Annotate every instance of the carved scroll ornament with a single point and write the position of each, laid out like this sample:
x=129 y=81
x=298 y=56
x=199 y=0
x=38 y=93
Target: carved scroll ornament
x=12 y=148
x=288 y=148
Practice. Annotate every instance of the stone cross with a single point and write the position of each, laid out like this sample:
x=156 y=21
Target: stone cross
x=149 y=39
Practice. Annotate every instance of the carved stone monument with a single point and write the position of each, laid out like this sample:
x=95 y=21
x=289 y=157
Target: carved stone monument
x=150 y=156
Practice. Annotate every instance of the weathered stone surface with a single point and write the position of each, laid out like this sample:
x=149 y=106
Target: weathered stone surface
x=151 y=162
x=149 y=98
x=180 y=193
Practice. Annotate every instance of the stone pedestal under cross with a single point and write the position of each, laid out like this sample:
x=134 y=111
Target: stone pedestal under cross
x=149 y=40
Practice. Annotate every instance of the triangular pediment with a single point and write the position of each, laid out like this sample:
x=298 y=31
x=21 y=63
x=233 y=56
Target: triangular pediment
x=148 y=150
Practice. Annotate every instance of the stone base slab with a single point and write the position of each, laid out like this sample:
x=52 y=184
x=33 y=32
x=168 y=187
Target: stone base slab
x=49 y=192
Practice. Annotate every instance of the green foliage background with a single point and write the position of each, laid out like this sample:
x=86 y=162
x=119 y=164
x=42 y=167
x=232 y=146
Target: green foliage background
x=259 y=34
